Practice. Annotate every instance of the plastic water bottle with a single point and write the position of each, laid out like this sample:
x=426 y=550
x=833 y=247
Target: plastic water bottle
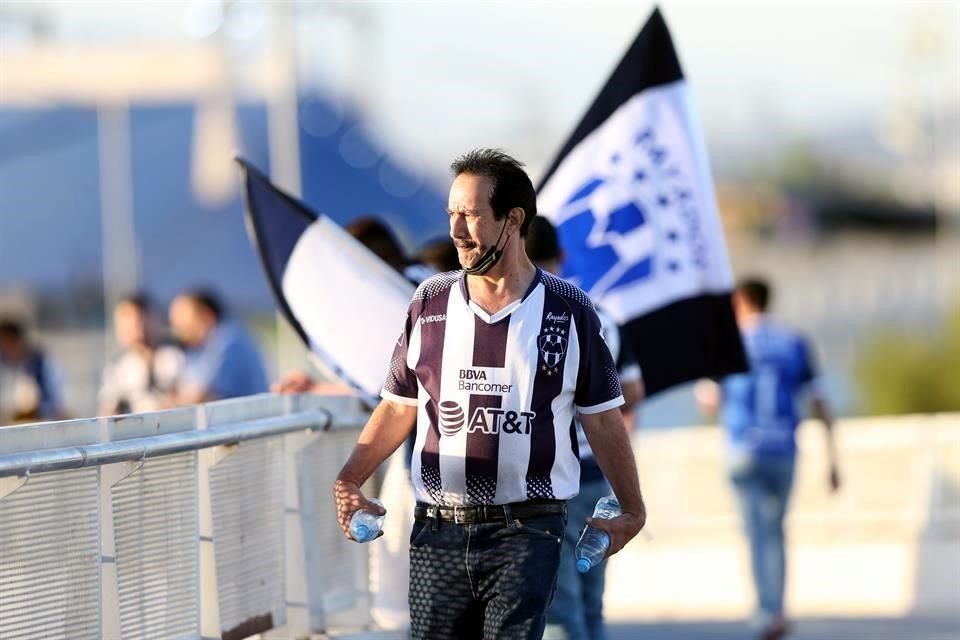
x=594 y=543
x=365 y=526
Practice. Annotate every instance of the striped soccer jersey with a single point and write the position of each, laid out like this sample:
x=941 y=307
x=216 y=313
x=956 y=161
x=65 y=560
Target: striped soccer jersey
x=496 y=394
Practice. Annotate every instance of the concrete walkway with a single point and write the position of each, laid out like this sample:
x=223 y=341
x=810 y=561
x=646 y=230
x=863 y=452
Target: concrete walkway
x=804 y=629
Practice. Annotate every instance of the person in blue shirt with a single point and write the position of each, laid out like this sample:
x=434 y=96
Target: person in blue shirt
x=759 y=411
x=220 y=359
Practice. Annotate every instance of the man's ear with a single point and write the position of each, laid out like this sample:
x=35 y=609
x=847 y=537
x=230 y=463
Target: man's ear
x=517 y=215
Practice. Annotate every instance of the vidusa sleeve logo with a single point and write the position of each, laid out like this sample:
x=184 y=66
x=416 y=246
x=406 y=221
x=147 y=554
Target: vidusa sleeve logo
x=607 y=224
x=553 y=347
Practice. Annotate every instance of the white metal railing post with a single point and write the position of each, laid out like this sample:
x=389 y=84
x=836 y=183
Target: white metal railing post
x=207 y=459
x=298 y=620
x=109 y=476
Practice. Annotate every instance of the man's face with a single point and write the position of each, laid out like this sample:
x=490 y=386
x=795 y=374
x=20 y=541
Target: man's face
x=472 y=224
x=130 y=325
x=187 y=322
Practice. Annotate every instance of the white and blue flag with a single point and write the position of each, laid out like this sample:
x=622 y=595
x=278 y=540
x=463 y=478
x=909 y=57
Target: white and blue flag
x=343 y=301
x=633 y=201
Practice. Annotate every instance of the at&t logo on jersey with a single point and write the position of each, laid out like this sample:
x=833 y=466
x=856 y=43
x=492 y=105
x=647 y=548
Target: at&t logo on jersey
x=489 y=420
x=451 y=418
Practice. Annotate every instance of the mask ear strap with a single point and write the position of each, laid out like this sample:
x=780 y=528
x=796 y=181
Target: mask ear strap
x=491 y=256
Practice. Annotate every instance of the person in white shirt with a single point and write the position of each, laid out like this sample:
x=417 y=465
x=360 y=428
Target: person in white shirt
x=145 y=374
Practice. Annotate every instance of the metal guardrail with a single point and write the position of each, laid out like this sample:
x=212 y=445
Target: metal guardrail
x=211 y=522
x=136 y=449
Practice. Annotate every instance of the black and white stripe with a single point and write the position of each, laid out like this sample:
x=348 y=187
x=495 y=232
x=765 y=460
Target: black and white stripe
x=497 y=394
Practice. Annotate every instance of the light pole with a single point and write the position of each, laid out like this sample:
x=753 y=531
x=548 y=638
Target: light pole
x=120 y=250
x=283 y=144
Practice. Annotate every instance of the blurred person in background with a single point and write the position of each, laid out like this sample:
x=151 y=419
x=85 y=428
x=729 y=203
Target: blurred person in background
x=220 y=359
x=375 y=235
x=440 y=255
x=577 y=608
x=145 y=375
x=31 y=379
x=759 y=411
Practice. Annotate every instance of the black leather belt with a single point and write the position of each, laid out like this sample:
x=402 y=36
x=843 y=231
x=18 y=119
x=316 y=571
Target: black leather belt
x=486 y=513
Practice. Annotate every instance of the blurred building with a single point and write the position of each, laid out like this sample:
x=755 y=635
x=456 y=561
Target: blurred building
x=61 y=112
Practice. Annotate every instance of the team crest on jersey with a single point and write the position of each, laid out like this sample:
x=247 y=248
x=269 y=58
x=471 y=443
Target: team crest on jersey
x=553 y=347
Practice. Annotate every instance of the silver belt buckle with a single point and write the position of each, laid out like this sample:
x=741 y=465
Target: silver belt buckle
x=458 y=513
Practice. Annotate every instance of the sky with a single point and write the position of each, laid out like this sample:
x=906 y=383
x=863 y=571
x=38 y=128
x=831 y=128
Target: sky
x=437 y=77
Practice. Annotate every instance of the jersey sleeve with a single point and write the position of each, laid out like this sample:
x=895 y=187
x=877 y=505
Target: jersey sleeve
x=401 y=383
x=598 y=384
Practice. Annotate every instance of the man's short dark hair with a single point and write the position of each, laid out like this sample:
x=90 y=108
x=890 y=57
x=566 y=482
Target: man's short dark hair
x=756 y=291
x=441 y=254
x=12 y=328
x=140 y=300
x=375 y=235
x=208 y=300
x=511 y=184
x=543 y=244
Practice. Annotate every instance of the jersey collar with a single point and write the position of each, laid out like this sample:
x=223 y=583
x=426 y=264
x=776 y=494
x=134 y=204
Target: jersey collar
x=507 y=310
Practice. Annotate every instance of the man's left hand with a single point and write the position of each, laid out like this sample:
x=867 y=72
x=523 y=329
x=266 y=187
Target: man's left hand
x=621 y=529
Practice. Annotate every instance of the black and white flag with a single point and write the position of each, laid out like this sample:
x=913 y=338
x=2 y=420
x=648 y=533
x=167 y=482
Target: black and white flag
x=633 y=201
x=344 y=301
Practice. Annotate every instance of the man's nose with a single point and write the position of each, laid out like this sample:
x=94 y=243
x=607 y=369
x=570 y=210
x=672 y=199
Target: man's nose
x=458 y=227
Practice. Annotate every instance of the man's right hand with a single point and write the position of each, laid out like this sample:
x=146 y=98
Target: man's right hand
x=294 y=382
x=300 y=382
x=349 y=499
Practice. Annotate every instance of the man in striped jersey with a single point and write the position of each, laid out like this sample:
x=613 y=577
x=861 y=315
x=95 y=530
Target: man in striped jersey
x=492 y=365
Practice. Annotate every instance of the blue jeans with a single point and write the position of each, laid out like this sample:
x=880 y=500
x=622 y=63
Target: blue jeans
x=486 y=581
x=576 y=612
x=762 y=485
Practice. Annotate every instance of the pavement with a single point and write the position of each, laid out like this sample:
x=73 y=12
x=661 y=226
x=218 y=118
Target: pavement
x=803 y=629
